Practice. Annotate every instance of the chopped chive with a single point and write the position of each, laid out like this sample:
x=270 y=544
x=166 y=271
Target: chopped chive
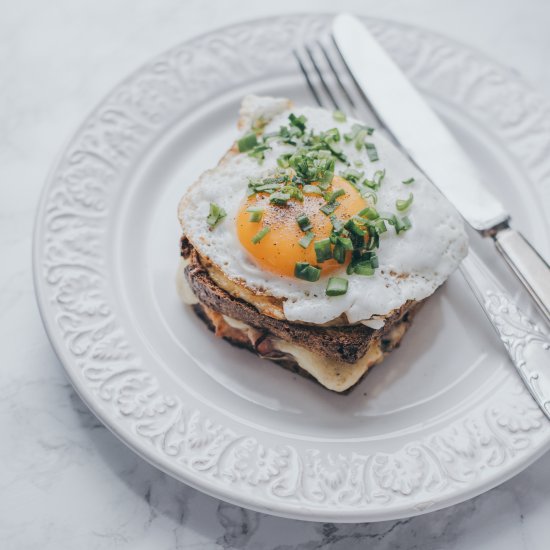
x=371 y=151
x=337 y=225
x=247 y=142
x=408 y=182
x=403 y=224
x=360 y=138
x=336 y=286
x=402 y=204
x=261 y=234
x=353 y=227
x=379 y=176
x=334 y=195
x=307 y=272
x=298 y=121
x=314 y=189
x=329 y=208
x=279 y=198
x=358 y=163
x=353 y=176
x=304 y=223
x=256 y=213
x=322 y=250
x=369 y=213
x=370 y=195
x=216 y=215
x=305 y=241
x=326 y=177
x=374 y=260
x=345 y=243
x=339 y=116
x=363 y=268
x=282 y=161
x=380 y=226
x=338 y=253
x=258 y=152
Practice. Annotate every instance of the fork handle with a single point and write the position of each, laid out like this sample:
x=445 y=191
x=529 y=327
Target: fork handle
x=527 y=343
x=527 y=264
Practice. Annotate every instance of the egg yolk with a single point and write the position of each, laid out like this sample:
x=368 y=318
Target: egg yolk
x=279 y=250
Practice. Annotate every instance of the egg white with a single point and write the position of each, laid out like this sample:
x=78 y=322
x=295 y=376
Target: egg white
x=411 y=265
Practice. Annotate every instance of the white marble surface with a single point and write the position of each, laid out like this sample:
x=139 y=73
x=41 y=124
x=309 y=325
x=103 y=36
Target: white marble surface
x=65 y=481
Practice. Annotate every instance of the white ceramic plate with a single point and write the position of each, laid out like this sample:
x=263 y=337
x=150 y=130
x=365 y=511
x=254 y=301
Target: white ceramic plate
x=443 y=419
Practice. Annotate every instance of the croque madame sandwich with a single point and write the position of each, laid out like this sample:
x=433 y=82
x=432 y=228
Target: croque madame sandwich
x=313 y=242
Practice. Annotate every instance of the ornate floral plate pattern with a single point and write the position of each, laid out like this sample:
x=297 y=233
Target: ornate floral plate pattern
x=293 y=476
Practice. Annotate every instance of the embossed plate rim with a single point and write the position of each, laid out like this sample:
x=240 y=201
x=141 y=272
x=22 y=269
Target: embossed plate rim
x=397 y=489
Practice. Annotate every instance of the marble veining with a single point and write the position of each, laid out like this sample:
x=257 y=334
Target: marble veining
x=65 y=480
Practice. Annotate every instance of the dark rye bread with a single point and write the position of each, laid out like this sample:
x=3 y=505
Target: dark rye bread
x=344 y=343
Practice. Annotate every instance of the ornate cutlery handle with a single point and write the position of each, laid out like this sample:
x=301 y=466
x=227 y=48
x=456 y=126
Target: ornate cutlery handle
x=527 y=344
x=527 y=264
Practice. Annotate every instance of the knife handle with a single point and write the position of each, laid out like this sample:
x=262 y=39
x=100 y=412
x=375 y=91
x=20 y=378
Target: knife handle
x=527 y=264
x=527 y=344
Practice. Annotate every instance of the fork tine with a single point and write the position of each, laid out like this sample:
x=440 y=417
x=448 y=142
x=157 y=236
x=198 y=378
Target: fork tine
x=322 y=78
x=308 y=80
x=336 y=75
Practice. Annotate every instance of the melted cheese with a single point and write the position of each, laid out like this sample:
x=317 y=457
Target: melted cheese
x=334 y=375
x=185 y=292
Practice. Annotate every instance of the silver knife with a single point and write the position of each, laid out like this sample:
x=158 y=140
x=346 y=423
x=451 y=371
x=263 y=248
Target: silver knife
x=428 y=142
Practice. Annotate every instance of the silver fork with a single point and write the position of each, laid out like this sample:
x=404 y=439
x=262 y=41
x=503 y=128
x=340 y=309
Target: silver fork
x=332 y=86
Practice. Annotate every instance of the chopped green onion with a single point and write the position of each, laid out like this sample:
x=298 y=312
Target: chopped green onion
x=339 y=116
x=353 y=176
x=256 y=213
x=379 y=176
x=337 y=225
x=307 y=272
x=334 y=195
x=258 y=152
x=304 y=223
x=282 y=160
x=358 y=163
x=339 y=254
x=369 y=213
x=216 y=215
x=371 y=151
x=314 y=189
x=261 y=234
x=370 y=195
x=337 y=286
x=402 y=204
x=293 y=191
x=298 y=121
x=360 y=138
x=374 y=260
x=402 y=224
x=329 y=208
x=247 y=142
x=326 y=177
x=408 y=182
x=322 y=250
x=380 y=226
x=363 y=268
x=345 y=243
x=278 y=198
x=353 y=227
x=305 y=241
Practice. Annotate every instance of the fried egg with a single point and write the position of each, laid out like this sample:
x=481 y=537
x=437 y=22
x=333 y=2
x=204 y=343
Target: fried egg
x=411 y=264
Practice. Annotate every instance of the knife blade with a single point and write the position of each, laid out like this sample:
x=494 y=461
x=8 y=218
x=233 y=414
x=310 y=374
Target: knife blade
x=429 y=143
